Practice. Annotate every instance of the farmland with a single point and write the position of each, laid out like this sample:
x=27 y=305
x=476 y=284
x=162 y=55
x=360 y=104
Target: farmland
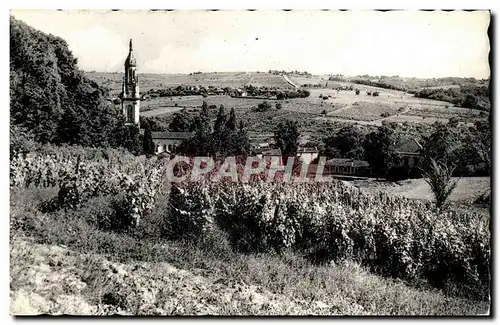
x=216 y=79
x=324 y=106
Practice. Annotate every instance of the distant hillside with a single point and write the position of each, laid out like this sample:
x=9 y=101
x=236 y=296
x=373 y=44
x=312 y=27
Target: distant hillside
x=51 y=100
x=469 y=96
x=463 y=92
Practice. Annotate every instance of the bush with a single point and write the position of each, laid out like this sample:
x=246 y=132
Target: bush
x=263 y=107
x=439 y=179
x=393 y=236
x=278 y=106
x=190 y=213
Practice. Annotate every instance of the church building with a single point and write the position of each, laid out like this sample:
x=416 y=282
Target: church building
x=130 y=97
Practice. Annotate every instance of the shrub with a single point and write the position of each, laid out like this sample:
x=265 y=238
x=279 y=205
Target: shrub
x=439 y=179
x=393 y=236
x=278 y=106
x=190 y=213
x=263 y=107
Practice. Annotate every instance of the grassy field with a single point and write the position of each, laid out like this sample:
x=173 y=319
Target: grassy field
x=216 y=79
x=62 y=264
x=315 y=112
x=468 y=188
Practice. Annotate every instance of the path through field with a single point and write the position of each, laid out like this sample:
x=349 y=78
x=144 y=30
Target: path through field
x=285 y=77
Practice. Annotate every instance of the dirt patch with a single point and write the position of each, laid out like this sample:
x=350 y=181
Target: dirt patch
x=55 y=280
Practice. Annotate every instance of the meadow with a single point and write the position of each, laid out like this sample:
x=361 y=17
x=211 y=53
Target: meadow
x=325 y=104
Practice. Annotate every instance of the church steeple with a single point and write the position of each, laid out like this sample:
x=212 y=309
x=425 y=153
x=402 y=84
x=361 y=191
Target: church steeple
x=130 y=61
x=130 y=89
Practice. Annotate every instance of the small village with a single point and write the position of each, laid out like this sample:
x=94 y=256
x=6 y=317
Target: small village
x=263 y=145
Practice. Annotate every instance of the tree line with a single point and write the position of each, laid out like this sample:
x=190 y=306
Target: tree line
x=468 y=96
x=253 y=91
x=467 y=150
x=51 y=101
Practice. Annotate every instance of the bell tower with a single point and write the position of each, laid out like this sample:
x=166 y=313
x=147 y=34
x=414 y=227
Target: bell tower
x=130 y=97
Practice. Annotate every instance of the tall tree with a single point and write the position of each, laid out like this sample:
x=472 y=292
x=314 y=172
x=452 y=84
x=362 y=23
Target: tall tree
x=346 y=143
x=148 y=145
x=52 y=98
x=231 y=122
x=287 y=136
x=441 y=146
x=379 y=148
x=438 y=176
x=131 y=139
x=181 y=122
x=220 y=121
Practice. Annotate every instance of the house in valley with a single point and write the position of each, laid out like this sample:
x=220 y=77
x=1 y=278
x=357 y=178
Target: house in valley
x=269 y=154
x=348 y=167
x=307 y=154
x=169 y=141
x=409 y=151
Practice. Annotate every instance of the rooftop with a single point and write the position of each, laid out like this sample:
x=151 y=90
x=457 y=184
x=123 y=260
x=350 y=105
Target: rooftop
x=172 y=135
x=347 y=162
x=307 y=150
x=409 y=145
x=272 y=152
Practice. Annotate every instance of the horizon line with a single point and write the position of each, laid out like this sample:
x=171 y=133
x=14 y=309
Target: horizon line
x=312 y=74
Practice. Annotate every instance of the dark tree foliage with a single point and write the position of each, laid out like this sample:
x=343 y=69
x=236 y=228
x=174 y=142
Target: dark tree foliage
x=469 y=96
x=131 y=139
x=181 y=122
x=221 y=141
x=21 y=140
x=475 y=151
x=148 y=146
x=287 y=137
x=442 y=146
x=231 y=121
x=346 y=143
x=220 y=121
x=51 y=97
x=154 y=123
x=263 y=107
x=380 y=151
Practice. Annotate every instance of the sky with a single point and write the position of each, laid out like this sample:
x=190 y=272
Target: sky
x=405 y=43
